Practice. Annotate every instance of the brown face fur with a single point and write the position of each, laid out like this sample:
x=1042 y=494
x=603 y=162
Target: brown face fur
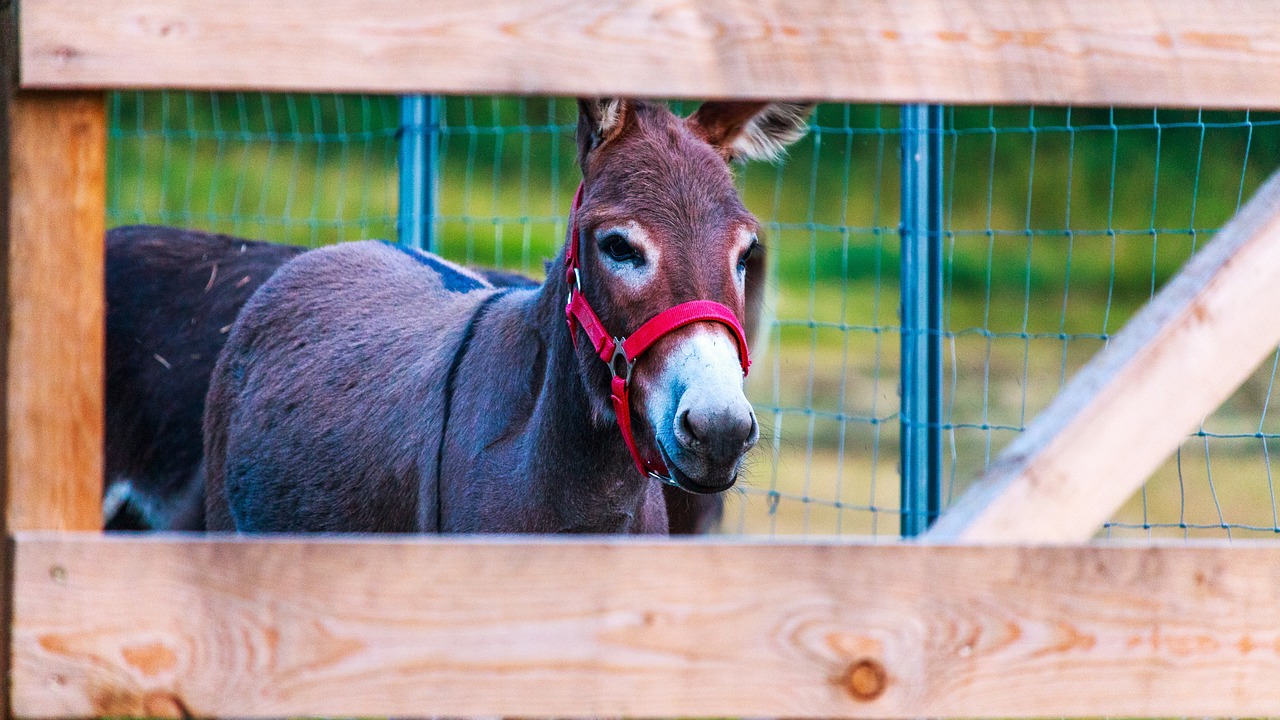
x=666 y=182
x=657 y=173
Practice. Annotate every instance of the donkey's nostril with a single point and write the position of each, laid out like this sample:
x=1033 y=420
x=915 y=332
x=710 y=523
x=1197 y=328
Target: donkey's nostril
x=690 y=430
x=719 y=433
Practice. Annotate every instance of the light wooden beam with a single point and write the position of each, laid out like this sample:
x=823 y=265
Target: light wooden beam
x=55 y=310
x=52 y=195
x=1131 y=406
x=107 y=626
x=1106 y=52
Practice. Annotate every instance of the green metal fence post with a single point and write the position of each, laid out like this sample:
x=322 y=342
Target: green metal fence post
x=921 y=288
x=416 y=157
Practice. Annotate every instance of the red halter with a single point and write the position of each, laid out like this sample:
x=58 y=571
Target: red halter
x=620 y=353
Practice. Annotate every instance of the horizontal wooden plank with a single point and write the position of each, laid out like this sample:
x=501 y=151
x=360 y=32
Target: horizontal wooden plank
x=1106 y=52
x=1131 y=407
x=416 y=627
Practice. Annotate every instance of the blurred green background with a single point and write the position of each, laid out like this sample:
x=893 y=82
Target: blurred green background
x=1060 y=224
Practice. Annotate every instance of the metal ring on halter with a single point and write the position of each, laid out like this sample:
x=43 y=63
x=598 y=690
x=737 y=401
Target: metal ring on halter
x=577 y=287
x=620 y=354
x=665 y=479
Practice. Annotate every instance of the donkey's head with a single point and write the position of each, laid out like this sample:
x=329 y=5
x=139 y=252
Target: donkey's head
x=661 y=224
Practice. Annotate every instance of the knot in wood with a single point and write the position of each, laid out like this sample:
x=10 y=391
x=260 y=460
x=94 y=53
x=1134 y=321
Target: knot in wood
x=865 y=680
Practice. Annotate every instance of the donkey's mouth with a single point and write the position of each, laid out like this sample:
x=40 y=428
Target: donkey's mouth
x=679 y=479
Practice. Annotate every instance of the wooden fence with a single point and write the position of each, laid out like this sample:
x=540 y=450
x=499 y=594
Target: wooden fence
x=1003 y=626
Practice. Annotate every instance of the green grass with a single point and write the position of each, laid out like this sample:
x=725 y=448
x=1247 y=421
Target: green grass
x=1061 y=224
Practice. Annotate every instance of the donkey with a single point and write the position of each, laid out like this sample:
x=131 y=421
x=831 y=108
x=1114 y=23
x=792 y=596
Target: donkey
x=172 y=297
x=368 y=388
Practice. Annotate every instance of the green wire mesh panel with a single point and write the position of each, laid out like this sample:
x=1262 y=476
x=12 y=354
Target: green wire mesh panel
x=1059 y=223
x=300 y=169
x=826 y=390
x=505 y=177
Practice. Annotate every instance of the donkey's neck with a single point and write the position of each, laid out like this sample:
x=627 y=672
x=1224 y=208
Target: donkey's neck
x=544 y=453
x=580 y=453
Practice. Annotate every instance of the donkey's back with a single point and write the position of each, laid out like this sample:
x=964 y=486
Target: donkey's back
x=330 y=380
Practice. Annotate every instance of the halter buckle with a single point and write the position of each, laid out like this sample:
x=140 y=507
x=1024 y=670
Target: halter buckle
x=622 y=370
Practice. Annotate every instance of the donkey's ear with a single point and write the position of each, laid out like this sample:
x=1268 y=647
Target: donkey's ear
x=751 y=130
x=599 y=121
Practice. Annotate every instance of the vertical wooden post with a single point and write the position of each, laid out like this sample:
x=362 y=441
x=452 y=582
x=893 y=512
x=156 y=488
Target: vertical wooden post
x=55 y=311
x=52 y=304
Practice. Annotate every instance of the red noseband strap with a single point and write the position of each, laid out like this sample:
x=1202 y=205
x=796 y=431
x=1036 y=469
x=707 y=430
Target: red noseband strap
x=621 y=353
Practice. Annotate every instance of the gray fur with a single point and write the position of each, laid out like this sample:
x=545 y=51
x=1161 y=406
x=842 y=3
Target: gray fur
x=327 y=406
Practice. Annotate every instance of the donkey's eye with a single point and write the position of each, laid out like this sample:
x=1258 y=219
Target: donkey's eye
x=746 y=254
x=615 y=245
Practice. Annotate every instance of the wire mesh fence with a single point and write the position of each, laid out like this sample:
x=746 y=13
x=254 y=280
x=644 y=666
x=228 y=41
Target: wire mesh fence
x=1061 y=223
x=300 y=169
x=1058 y=224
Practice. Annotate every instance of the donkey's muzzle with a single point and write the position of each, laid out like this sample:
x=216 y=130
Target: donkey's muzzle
x=712 y=437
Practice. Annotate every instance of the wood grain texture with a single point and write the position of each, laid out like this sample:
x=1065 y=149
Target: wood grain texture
x=411 y=628
x=55 y=311
x=1131 y=406
x=8 y=86
x=1224 y=53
